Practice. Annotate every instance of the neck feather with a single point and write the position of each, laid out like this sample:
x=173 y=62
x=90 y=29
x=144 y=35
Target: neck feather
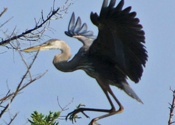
x=61 y=61
x=65 y=53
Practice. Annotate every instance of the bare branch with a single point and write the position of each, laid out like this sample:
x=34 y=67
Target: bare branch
x=172 y=106
x=33 y=34
x=3 y=111
x=65 y=107
x=41 y=26
x=2 y=13
x=20 y=86
x=5 y=22
x=5 y=10
x=12 y=119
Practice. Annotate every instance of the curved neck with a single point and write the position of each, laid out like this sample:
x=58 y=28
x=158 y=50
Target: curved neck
x=65 y=53
x=61 y=61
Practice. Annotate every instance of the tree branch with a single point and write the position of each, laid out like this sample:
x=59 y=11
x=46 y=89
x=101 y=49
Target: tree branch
x=20 y=86
x=40 y=27
x=5 y=10
x=32 y=34
x=172 y=106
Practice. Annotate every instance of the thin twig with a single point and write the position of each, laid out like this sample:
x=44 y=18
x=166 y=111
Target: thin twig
x=172 y=106
x=25 y=63
x=20 y=86
x=5 y=10
x=3 y=111
x=65 y=107
x=5 y=22
x=35 y=34
x=12 y=119
x=32 y=34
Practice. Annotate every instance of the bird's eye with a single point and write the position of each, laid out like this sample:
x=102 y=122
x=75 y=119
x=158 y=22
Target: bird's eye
x=49 y=43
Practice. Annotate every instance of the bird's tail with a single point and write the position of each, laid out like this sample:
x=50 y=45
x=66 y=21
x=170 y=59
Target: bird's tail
x=131 y=92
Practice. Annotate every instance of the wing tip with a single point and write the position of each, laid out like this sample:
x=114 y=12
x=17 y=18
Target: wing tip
x=76 y=27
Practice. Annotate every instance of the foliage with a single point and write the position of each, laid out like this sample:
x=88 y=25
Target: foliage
x=41 y=119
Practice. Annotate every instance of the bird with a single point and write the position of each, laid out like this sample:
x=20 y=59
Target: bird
x=116 y=54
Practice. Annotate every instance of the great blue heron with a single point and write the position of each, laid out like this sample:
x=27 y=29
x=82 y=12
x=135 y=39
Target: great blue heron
x=117 y=53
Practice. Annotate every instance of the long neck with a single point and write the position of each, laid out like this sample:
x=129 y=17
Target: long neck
x=61 y=61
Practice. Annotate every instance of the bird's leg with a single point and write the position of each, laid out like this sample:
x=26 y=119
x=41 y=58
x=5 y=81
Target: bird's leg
x=107 y=90
x=113 y=111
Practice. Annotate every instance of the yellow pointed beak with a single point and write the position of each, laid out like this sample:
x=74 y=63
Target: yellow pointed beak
x=49 y=45
x=32 y=49
x=38 y=48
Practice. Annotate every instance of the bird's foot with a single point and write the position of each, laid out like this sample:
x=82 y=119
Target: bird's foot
x=73 y=115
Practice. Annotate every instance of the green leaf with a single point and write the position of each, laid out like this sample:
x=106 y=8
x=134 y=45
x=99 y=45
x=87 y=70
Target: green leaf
x=41 y=119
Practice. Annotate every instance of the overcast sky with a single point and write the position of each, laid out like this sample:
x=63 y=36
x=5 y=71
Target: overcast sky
x=158 y=20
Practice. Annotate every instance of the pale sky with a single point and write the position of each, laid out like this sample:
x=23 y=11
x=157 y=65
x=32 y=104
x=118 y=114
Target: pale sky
x=157 y=18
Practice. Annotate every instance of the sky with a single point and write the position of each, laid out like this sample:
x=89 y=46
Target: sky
x=157 y=18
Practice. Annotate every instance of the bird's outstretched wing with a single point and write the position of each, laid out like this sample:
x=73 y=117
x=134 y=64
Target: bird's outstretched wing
x=120 y=39
x=78 y=30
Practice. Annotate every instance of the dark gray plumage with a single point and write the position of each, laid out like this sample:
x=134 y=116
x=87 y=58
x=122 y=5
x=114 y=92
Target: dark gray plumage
x=117 y=53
